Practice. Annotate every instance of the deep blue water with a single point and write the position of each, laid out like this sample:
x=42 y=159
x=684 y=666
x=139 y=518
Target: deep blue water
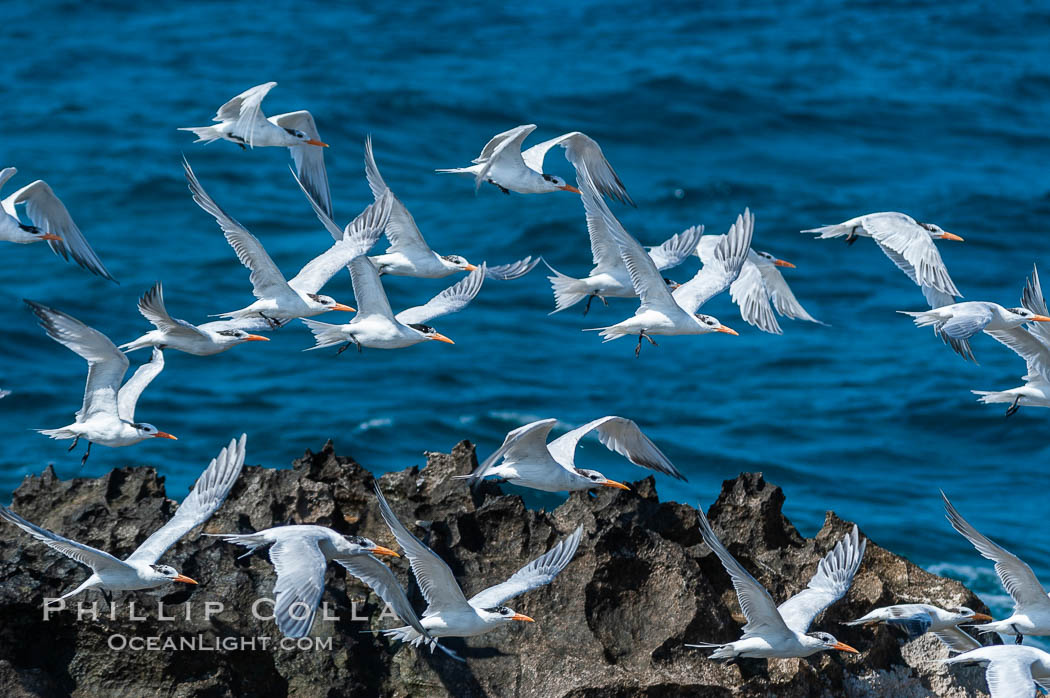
x=808 y=115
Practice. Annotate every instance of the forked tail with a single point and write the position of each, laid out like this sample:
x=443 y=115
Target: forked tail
x=566 y=290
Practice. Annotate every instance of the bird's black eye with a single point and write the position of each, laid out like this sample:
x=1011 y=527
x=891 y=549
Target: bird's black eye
x=549 y=178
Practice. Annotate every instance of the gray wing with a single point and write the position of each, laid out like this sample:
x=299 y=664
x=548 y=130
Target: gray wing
x=106 y=363
x=401 y=229
x=267 y=280
x=834 y=576
x=749 y=292
x=435 y=578
x=151 y=306
x=957 y=639
x=368 y=289
x=360 y=235
x=246 y=110
x=783 y=298
x=1033 y=300
x=84 y=554
x=966 y=325
x=514 y=270
x=1029 y=347
x=677 y=248
x=1015 y=575
x=300 y=567
x=1010 y=678
x=308 y=159
x=128 y=395
x=619 y=435
x=605 y=253
x=911 y=241
x=534 y=575
x=713 y=278
x=451 y=300
x=383 y=582
x=757 y=605
x=508 y=148
x=49 y=214
x=526 y=443
x=584 y=153
x=208 y=494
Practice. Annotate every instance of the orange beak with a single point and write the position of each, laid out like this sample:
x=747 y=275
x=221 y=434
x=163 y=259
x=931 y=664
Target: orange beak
x=470 y=267
x=437 y=336
x=728 y=330
x=519 y=616
x=344 y=308
x=165 y=435
x=314 y=141
x=951 y=236
x=617 y=485
x=569 y=187
x=256 y=338
x=1040 y=318
x=380 y=550
x=782 y=263
x=842 y=646
x=49 y=236
x=983 y=617
x=184 y=579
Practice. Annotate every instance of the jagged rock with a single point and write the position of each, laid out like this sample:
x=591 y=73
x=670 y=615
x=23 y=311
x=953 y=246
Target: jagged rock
x=614 y=623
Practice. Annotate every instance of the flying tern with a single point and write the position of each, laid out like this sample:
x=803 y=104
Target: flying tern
x=916 y=619
x=279 y=299
x=140 y=569
x=527 y=460
x=759 y=288
x=449 y=613
x=503 y=164
x=241 y=121
x=172 y=333
x=1031 y=614
x=782 y=631
x=50 y=221
x=961 y=321
x=300 y=554
x=107 y=416
x=1011 y=671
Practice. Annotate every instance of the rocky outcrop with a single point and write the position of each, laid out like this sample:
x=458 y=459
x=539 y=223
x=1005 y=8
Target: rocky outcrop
x=614 y=623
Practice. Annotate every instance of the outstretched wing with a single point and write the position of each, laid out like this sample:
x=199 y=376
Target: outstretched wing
x=957 y=639
x=514 y=270
x=617 y=434
x=677 y=248
x=151 y=306
x=526 y=443
x=435 y=578
x=267 y=280
x=368 y=289
x=757 y=605
x=84 y=554
x=749 y=292
x=106 y=363
x=713 y=278
x=1029 y=347
x=401 y=229
x=1033 y=300
x=128 y=395
x=300 y=567
x=835 y=573
x=534 y=575
x=584 y=153
x=783 y=299
x=207 y=496
x=505 y=147
x=911 y=241
x=1015 y=575
x=246 y=111
x=49 y=214
x=308 y=159
x=383 y=582
x=967 y=323
x=451 y=300
x=1010 y=678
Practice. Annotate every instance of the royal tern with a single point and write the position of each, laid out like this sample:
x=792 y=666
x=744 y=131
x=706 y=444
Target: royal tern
x=1012 y=671
x=1031 y=614
x=527 y=460
x=1032 y=344
x=759 y=288
x=139 y=570
x=609 y=278
x=503 y=164
x=375 y=325
x=961 y=321
x=661 y=312
x=449 y=613
x=916 y=619
x=241 y=121
x=279 y=299
x=781 y=631
x=51 y=222
x=172 y=333
x=107 y=416
x=300 y=554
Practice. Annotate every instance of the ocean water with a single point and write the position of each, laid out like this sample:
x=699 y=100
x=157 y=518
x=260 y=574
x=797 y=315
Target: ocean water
x=809 y=114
